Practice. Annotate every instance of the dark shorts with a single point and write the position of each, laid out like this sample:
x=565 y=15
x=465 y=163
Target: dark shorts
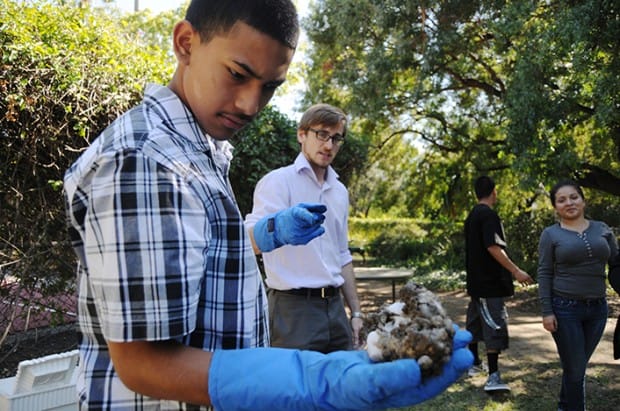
x=487 y=321
x=308 y=322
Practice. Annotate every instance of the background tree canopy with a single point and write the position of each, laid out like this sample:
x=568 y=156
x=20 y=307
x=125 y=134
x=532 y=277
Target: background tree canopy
x=525 y=91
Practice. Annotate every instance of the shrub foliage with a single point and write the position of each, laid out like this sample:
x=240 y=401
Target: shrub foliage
x=65 y=74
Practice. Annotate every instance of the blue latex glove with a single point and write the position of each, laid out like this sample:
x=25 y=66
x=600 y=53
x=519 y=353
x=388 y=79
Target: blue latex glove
x=296 y=225
x=278 y=379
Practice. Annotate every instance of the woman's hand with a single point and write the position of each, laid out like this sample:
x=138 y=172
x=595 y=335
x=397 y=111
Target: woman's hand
x=550 y=323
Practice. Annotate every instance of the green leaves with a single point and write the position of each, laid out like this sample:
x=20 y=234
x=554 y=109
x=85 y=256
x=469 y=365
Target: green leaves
x=526 y=88
x=65 y=73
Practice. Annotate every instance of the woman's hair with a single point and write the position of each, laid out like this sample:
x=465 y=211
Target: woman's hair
x=564 y=183
x=323 y=114
x=276 y=18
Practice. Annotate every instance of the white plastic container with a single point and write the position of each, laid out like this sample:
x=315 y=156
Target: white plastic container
x=42 y=384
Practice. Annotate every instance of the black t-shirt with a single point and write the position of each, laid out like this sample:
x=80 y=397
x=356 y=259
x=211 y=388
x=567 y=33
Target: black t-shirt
x=485 y=276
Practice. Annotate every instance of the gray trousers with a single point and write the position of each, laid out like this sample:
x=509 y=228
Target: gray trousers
x=308 y=323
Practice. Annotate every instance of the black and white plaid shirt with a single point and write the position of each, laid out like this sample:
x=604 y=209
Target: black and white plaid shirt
x=163 y=252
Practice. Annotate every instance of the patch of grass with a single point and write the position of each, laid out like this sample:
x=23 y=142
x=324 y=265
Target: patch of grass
x=534 y=387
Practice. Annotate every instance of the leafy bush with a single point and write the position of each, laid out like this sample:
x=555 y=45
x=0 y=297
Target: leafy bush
x=522 y=235
x=440 y=245
x=398 y=247
x=403 y=242
x=65 y=74
x=362 y=231
x=269 y=142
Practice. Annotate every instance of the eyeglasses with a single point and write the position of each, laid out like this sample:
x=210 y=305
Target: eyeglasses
x=323 y=135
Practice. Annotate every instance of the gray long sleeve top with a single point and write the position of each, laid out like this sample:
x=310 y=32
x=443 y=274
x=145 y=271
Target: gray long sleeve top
x=572 y=264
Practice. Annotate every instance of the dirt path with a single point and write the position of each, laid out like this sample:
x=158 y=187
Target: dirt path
x=528 y=339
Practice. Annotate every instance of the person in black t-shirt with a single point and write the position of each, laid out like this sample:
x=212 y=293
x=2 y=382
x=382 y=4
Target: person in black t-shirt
x=490 y=273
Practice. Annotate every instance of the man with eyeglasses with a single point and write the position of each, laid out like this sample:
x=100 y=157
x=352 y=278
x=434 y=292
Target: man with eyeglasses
x=308 y=282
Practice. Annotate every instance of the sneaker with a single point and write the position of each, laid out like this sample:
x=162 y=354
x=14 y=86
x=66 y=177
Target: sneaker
x=495 y=383
x=477 y=369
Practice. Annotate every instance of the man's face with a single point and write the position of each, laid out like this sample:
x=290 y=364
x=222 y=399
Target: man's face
x=228 y=80
x=320 y=154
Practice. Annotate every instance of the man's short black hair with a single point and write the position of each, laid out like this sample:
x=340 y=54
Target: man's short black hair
x=276 y=18
x=483 y=186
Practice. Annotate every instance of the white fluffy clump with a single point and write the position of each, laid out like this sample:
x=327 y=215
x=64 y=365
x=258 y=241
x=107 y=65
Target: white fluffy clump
x=416 y=327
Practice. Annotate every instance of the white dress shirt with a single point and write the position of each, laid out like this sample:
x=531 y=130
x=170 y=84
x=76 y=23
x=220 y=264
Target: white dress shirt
x=318 y=263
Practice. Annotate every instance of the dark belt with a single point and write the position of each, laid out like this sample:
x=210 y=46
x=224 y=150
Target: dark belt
x=324 y=292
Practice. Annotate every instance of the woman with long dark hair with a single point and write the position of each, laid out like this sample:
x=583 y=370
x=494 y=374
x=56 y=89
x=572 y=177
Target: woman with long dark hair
x=573 y=255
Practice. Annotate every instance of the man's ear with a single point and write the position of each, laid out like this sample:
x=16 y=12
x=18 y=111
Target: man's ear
x=182 y=38
x=301 y=134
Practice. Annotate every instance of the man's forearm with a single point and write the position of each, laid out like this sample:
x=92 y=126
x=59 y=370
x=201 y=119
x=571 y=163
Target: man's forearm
x=349 y=288
x=501 y=257
x=164 y=370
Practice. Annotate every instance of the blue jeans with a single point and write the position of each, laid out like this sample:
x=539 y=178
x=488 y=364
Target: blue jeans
x=580 y=326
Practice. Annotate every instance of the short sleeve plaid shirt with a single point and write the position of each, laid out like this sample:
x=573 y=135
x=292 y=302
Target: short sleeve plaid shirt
x=162 y=249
